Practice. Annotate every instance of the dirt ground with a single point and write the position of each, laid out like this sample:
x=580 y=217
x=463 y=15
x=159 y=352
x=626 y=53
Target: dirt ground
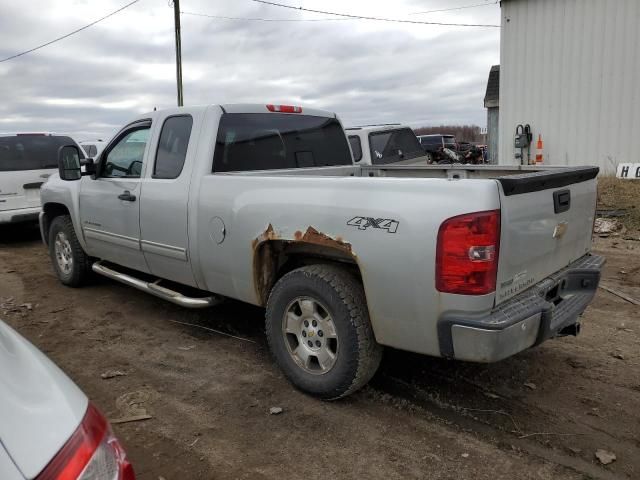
x=542 y=414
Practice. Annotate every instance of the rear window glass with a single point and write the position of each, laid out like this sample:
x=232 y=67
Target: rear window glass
x=356 y=147
x=266 y=141
x=30 y=152
x=431 y=140
x=393 y=146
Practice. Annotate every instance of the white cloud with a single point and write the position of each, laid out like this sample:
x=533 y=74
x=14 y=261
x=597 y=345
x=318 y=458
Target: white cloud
x=366 y=71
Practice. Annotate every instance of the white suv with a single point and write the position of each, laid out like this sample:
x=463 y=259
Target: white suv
x=26 y=161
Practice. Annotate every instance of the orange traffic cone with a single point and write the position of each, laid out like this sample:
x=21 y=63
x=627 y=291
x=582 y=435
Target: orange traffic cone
x=539 y=151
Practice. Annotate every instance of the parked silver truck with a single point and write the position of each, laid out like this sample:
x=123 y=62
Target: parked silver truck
x=263 y=204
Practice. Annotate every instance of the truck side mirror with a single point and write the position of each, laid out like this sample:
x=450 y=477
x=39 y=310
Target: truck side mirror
x=69 y=163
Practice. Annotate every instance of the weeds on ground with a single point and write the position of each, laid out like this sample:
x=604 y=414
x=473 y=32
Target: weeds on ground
x=616 y=194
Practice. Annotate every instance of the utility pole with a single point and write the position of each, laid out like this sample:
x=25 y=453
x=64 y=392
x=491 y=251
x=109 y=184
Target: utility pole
x=176 y=17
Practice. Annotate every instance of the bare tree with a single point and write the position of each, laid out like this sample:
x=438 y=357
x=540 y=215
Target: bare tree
x=463 y=133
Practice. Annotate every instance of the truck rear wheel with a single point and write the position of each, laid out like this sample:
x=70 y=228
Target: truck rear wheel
x=318 y=329
x=70 y=262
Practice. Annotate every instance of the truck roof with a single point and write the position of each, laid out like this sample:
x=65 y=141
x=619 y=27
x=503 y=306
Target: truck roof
x=437 y=135
x=248 y=108
x=44 y=134
x=375 y=128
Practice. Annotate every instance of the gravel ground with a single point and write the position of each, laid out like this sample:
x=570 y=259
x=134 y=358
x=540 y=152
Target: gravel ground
x=542 y=414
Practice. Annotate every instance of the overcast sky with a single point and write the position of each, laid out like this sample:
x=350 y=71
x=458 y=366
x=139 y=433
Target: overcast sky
x=368 y=72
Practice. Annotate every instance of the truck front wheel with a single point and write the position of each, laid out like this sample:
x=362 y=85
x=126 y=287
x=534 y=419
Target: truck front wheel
x=318 y=329
x=70 y=262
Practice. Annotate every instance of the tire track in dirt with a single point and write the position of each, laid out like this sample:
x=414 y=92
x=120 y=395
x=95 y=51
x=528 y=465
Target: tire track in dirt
x=415 y=418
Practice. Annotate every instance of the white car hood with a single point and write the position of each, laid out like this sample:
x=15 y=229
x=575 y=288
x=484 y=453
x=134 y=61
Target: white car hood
x=40 y=407
x=8 y=469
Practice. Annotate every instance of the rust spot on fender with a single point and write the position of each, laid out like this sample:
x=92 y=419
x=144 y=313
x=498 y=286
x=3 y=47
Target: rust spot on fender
x=314 y=236
x=268 y=234
x=265 y=259
x=263 y=263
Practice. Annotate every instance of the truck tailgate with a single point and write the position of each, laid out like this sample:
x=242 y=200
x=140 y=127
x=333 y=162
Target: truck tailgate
x=546 y=223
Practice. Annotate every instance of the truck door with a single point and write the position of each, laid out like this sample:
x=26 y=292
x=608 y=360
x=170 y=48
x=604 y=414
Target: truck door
x=109 y=205
x=165 y=197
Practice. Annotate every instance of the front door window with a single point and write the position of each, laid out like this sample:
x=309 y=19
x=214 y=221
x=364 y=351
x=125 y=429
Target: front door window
x=125 y=158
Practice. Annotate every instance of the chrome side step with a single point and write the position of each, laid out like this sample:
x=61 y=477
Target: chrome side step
x=157 y=290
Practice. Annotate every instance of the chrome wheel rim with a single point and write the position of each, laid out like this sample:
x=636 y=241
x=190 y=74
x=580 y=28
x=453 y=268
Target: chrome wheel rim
x=62 y=249
x=310 y=335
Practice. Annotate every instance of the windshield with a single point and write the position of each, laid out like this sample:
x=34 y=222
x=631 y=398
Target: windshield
x=266 y=141
x=30 y=152
x=393 y=146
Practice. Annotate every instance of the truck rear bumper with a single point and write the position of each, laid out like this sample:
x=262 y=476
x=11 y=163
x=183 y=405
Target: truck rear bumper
x=20 y=215
x=548 y=309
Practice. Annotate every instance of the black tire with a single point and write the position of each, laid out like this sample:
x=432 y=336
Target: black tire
x=79 y=272
x=358 y=354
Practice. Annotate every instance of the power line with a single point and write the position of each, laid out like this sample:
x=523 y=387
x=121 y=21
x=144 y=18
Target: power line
x=260 y=19
x=68 y=34
x=256 y=19
x=378 y=19
x=457 y=8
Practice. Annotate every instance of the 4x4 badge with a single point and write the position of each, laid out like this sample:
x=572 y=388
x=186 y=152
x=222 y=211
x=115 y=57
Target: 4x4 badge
x=390 y=225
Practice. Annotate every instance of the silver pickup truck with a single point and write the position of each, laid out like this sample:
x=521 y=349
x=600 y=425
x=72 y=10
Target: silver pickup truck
x=263 y=204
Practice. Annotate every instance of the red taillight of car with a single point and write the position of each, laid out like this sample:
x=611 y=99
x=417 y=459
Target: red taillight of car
x=284 y=108
x=92 y=453
x=467 y=253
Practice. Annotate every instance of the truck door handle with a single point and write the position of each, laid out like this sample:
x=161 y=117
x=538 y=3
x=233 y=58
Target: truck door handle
x=127 y=197
x=561 y=201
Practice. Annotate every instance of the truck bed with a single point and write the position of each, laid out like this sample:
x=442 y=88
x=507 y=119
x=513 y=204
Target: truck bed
x=450 y=172
x=546 y=211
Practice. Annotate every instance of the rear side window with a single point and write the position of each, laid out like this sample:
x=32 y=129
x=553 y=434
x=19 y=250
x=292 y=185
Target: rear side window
x=393 y=146
x=172 y=147
x=356 y=147
x=267 y=141
x=30 y=152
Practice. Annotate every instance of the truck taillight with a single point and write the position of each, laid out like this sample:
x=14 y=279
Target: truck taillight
x=92 y=453
x=284 y=108
x=467 y=253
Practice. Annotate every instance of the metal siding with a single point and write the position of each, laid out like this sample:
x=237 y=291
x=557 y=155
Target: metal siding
x=492 y=134
x=571 y=69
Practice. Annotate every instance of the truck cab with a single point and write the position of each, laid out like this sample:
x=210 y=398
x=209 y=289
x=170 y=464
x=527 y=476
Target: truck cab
x=434 y=144
x=384 y=145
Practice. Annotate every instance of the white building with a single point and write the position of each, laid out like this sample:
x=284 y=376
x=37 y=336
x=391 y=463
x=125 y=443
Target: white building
x=571 y=69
